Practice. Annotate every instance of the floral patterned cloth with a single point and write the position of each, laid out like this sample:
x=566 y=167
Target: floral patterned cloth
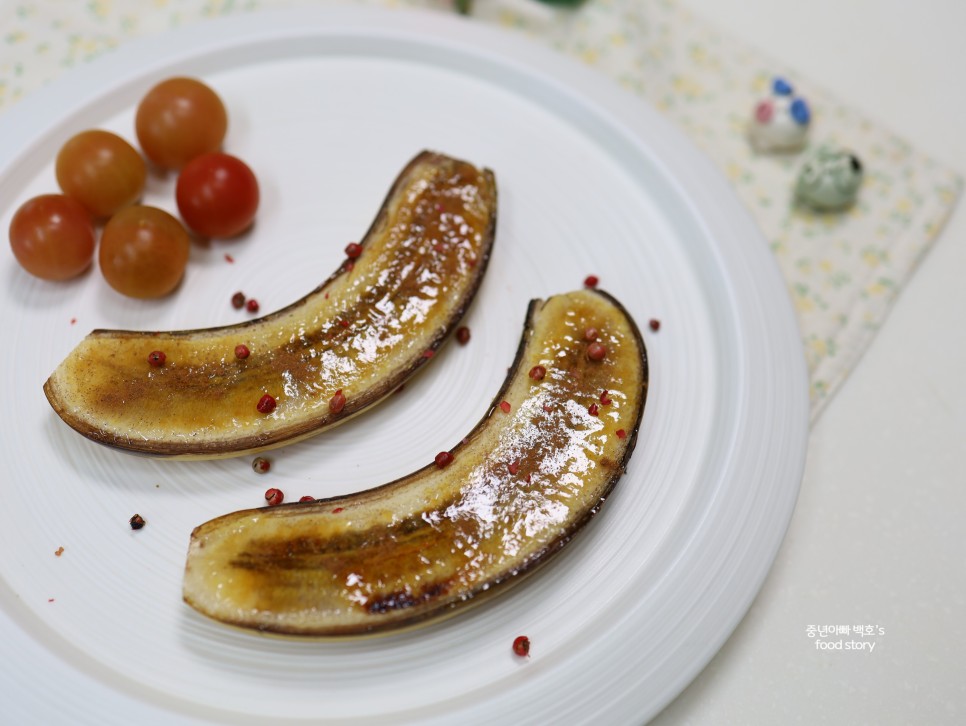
x=843 y=270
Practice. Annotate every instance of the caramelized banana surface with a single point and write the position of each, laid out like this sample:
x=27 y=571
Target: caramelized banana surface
x=362 y=333
x=534 y=470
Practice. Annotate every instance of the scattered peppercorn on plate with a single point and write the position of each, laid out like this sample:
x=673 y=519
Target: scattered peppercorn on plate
x=327 y=106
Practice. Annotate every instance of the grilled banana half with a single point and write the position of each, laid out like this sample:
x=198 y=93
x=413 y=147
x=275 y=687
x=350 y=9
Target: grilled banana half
x=534 y=470
x=311 y=365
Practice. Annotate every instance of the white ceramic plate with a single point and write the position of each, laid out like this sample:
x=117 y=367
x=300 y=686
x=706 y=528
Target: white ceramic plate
x=327 y=107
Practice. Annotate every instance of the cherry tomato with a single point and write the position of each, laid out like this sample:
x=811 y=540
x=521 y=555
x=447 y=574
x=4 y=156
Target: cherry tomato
x=52 y=237
x=217 y=195
x=100 y=170
x=143 y=252
x=179 y=119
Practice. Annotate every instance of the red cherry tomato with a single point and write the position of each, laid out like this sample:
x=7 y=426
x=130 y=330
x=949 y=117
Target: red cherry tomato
x=143 y=252
x=217 y=195
x=52 y=237
x=179 y=119
x=100 y=170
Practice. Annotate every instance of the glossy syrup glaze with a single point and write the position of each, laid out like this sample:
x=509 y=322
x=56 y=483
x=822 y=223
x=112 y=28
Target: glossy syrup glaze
x=361 y=332
x=518 y=488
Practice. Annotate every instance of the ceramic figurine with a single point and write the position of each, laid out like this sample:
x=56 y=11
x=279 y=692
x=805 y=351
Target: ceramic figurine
x=780 y=122
x=829 y=179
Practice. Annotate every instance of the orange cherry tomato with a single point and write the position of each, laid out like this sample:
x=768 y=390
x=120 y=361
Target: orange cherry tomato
x=179 y=119
x=143 y=252
x=100 y=170
x=52 y=237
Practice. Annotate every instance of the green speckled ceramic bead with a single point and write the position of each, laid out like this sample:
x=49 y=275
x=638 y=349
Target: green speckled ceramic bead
x=829 y=179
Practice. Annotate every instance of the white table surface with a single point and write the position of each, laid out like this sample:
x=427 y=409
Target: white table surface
x=876 y=537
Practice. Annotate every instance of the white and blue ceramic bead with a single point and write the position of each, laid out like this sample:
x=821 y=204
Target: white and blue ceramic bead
x=829 y=179
x=781 y=121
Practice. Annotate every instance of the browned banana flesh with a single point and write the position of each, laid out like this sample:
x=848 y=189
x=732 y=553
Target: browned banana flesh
x=532 y=473
x=311 y=365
